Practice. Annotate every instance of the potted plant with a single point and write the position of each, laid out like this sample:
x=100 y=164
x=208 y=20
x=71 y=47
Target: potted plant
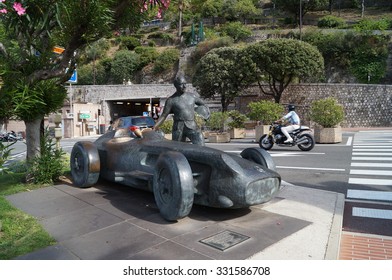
x=328 y=114
x=217 y=124
x=264 y=112
x=236 y=124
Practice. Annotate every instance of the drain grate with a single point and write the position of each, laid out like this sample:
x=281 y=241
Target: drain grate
x=224 y=240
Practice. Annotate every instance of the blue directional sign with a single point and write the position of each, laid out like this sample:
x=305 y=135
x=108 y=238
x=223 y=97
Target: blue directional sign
x=74 y=77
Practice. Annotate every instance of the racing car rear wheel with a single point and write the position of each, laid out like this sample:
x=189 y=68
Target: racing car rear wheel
x=173 y=186
x=85 y=164
x=259 y=156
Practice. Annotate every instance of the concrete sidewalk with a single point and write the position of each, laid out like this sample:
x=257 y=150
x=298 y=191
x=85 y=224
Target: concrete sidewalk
x=110 y=221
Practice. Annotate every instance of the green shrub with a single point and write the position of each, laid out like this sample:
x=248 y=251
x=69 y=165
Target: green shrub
x=19 y=166
x=370 y=25
x=327 y=112
x=163 y=38
x=166 y=60
x=217 y=121
x=147 y=55
x=265 y=111
x=236 y=119
x=5 y=151
x=236 y=30
x=330 y=21
x=129 y=42
x=203 y=47
x=95 y=51
x=167 y=126
x=89 y=74
x=123 y=65
x=48 y=166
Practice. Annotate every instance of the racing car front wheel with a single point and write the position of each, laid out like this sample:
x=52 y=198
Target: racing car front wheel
x=173 y=186
x=85 y=164
x=259 y=156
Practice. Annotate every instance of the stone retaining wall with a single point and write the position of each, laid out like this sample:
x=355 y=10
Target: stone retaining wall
x=364 y=105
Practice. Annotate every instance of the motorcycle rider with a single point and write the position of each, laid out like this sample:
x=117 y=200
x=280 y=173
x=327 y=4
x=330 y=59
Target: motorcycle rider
x=293 y=122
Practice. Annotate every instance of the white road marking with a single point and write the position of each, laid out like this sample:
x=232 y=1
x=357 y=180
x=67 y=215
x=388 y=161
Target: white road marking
x=372 y=150
x=372 y=158
x=371 y=154
x=349 y=141
x=372 y=145
x=371 y=172
x=364 y=181
x=371 y=164
x=371 y=195
x=372 y=213
x=310 y=168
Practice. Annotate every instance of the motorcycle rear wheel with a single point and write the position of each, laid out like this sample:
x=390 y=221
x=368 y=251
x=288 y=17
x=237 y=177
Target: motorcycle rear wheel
x=266 y=142
x=310 y=143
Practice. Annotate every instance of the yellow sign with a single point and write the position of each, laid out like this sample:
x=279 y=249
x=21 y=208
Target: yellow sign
x=58 y=50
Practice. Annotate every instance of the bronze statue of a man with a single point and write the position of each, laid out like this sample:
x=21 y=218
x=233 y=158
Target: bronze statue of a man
x=182 y=105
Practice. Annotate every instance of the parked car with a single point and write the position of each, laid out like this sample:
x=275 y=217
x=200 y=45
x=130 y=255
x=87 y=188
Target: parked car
x=179 y=174
x=133 y=125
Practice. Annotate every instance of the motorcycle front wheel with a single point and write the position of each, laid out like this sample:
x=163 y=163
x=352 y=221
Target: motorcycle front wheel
x=308 y=144
x=266 y=142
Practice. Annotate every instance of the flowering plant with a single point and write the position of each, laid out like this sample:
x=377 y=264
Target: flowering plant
x=162 y=5
x=16 y=6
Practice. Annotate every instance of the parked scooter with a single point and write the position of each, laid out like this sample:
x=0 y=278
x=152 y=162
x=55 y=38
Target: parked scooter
x=302 y=138
x=11 y=136
x=3 y=136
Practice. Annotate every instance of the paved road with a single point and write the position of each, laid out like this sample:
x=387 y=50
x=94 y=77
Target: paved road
x=360 y=167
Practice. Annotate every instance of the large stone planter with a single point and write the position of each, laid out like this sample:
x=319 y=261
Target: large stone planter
x=237 y=133
x=325 y=135
x=260 y=130
x=223 y=137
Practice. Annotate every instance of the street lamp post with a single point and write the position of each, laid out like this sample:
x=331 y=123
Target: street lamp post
x=300 y=18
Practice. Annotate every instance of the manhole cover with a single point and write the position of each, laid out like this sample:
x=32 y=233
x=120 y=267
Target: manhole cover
x=224 y=240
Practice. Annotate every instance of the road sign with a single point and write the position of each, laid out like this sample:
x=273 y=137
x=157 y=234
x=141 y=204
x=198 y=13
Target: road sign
x=74 y=77
x=58 y=50
x=84 y=116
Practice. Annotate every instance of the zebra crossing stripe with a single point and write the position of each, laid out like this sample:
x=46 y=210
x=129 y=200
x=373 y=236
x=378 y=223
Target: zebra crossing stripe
x=372 y=158
x=372 y=213
x=369 y=195
x=371 y=150
x=363 y=181
x=371 y=164
x=371 y=154
x=371 y=172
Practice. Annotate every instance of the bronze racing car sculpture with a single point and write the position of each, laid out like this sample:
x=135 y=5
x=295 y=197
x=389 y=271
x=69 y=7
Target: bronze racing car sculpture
x=179 y=174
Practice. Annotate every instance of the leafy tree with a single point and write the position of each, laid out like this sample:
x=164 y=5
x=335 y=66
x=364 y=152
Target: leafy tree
x=362 y=55
x=124 y=64
x=224 y=72
x=282 y=61
x=239 y=9
x=90 y=74
x=236 y=30
x=166 y=60
x=212 y=8
x=32 y=74
x=292 y=6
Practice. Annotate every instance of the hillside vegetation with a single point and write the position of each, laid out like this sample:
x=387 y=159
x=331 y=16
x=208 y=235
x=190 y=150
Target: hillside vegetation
x=355 y=48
